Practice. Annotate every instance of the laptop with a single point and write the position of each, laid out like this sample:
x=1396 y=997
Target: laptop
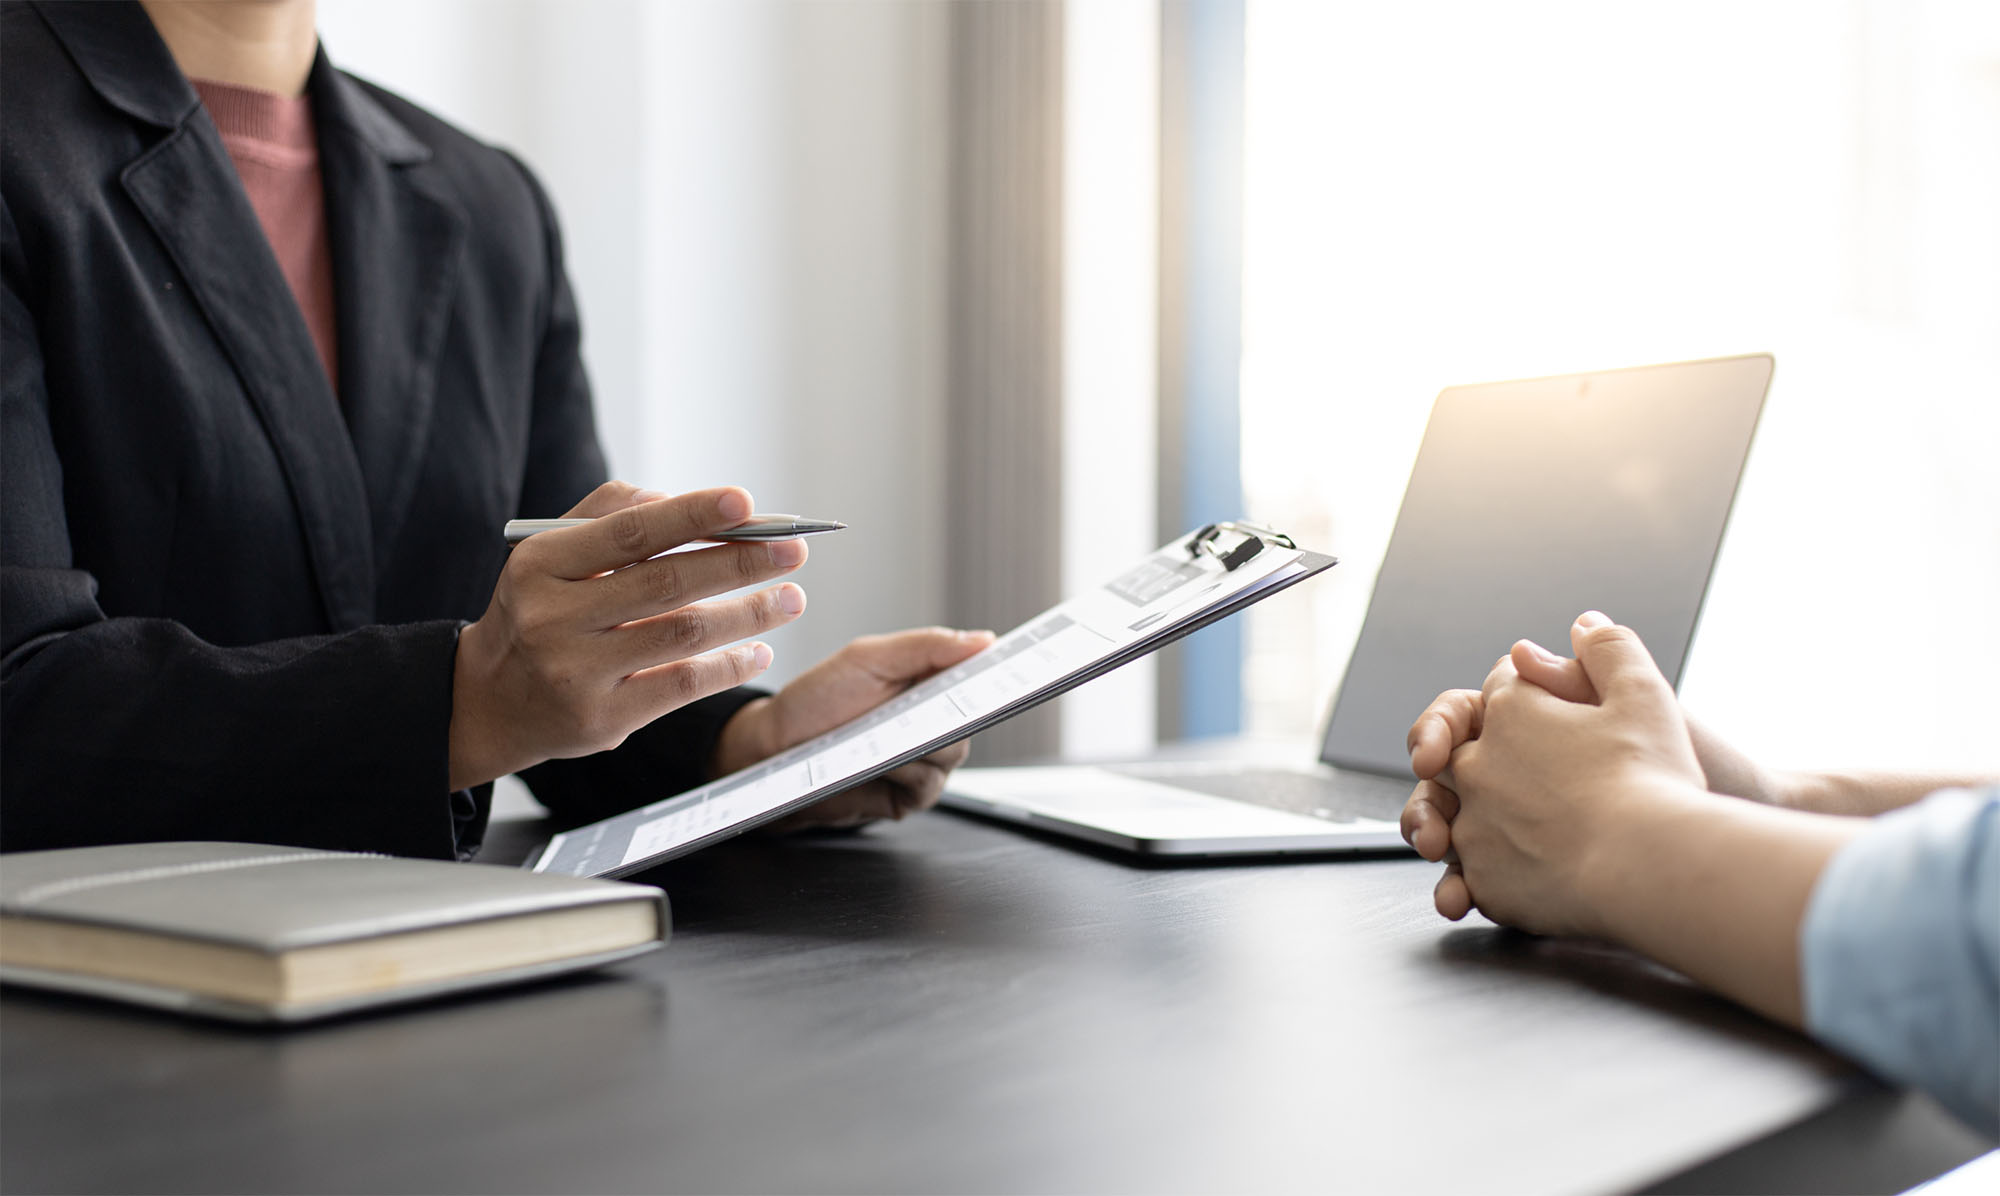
x=1530 y=502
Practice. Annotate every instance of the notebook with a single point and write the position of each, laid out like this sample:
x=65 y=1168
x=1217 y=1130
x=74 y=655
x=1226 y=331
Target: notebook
x=1530 y=502
x=258 y=933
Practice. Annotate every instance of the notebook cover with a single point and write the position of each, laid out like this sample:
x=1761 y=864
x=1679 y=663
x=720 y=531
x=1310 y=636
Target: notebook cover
x=278 y=899
x=275 y=899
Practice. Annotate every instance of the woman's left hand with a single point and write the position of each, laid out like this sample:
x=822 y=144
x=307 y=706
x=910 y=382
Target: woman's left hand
x=851 y=682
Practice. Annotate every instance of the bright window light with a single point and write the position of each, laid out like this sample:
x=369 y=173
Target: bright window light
x=1443 y=193
x=1111 y=188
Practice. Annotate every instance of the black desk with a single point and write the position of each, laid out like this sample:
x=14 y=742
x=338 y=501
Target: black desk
x=945 y=1005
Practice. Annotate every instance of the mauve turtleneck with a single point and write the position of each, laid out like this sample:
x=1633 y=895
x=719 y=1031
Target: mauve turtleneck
x=272 y=141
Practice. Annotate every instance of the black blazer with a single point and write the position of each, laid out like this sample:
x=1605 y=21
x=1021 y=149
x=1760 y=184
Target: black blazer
x=231 y=599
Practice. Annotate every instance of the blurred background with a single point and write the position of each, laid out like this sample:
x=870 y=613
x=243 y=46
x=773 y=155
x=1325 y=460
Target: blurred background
x=1022 y=289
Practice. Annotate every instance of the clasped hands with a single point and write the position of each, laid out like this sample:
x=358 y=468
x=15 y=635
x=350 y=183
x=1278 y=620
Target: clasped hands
x=1522 y=783
x=592 y=633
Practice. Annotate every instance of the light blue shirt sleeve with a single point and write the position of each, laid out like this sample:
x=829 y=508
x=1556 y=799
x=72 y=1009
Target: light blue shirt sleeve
x=1900 y=951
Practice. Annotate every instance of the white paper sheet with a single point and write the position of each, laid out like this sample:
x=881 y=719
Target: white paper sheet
x=1035 y=660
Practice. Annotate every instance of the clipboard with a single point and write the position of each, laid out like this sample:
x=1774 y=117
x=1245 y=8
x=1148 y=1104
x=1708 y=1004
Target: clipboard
x=1181 y=587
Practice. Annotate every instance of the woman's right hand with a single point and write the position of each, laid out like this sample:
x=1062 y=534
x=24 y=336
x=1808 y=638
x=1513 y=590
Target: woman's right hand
x=591 y=634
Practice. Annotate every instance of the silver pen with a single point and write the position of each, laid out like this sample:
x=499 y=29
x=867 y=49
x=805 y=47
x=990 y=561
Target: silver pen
x=757 y=527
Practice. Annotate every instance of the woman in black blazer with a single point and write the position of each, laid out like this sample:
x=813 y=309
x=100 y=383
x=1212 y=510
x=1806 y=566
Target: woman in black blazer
x=238 y=605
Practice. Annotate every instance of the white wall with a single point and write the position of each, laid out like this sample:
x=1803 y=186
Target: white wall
x=752 y=196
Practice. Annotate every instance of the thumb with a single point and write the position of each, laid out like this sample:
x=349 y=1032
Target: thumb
x=866 y=673
x=1614 y=658
x=905 y=656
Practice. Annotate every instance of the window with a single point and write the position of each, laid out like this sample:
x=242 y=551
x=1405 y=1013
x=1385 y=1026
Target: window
x=1439 y=193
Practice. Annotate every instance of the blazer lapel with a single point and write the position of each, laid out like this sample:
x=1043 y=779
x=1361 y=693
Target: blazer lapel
x=189 y=193
x=396 y=244
x=396 y=249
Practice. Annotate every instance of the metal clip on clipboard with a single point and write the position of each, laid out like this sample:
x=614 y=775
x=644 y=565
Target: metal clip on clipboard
x=1235 y=542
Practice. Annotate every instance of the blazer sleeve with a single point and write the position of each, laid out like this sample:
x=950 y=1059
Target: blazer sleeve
x=566 y=462
x=133 y=729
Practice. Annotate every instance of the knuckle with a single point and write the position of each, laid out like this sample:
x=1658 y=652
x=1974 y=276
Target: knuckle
x=684 y=682
x=750 y=560
x=628 y=530
x=1410 y=808
x=506 y=602
x=740 y=666
x=536 y=627
x=718 y=671
x=668 y=588
x=693 y=515
x=526 y=559
x=683 y=632
x=553 y=673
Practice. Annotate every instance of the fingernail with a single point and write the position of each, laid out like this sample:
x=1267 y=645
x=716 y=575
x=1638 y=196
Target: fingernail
x=734 y=505
x=1540 y=653
x=639 y=496
x=791 y=599
x=760 y=656
x=786 y=553
x=1592 y=619
x=1414 y=832
x=970 y=636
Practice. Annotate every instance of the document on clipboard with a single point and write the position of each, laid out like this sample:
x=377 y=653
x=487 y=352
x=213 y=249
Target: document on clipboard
x=1206 y=575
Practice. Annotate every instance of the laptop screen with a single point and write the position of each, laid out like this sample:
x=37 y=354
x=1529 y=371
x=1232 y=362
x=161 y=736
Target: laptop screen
x=1532 y=502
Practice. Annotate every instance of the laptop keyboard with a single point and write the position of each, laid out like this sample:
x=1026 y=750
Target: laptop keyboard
x=1332 y=796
